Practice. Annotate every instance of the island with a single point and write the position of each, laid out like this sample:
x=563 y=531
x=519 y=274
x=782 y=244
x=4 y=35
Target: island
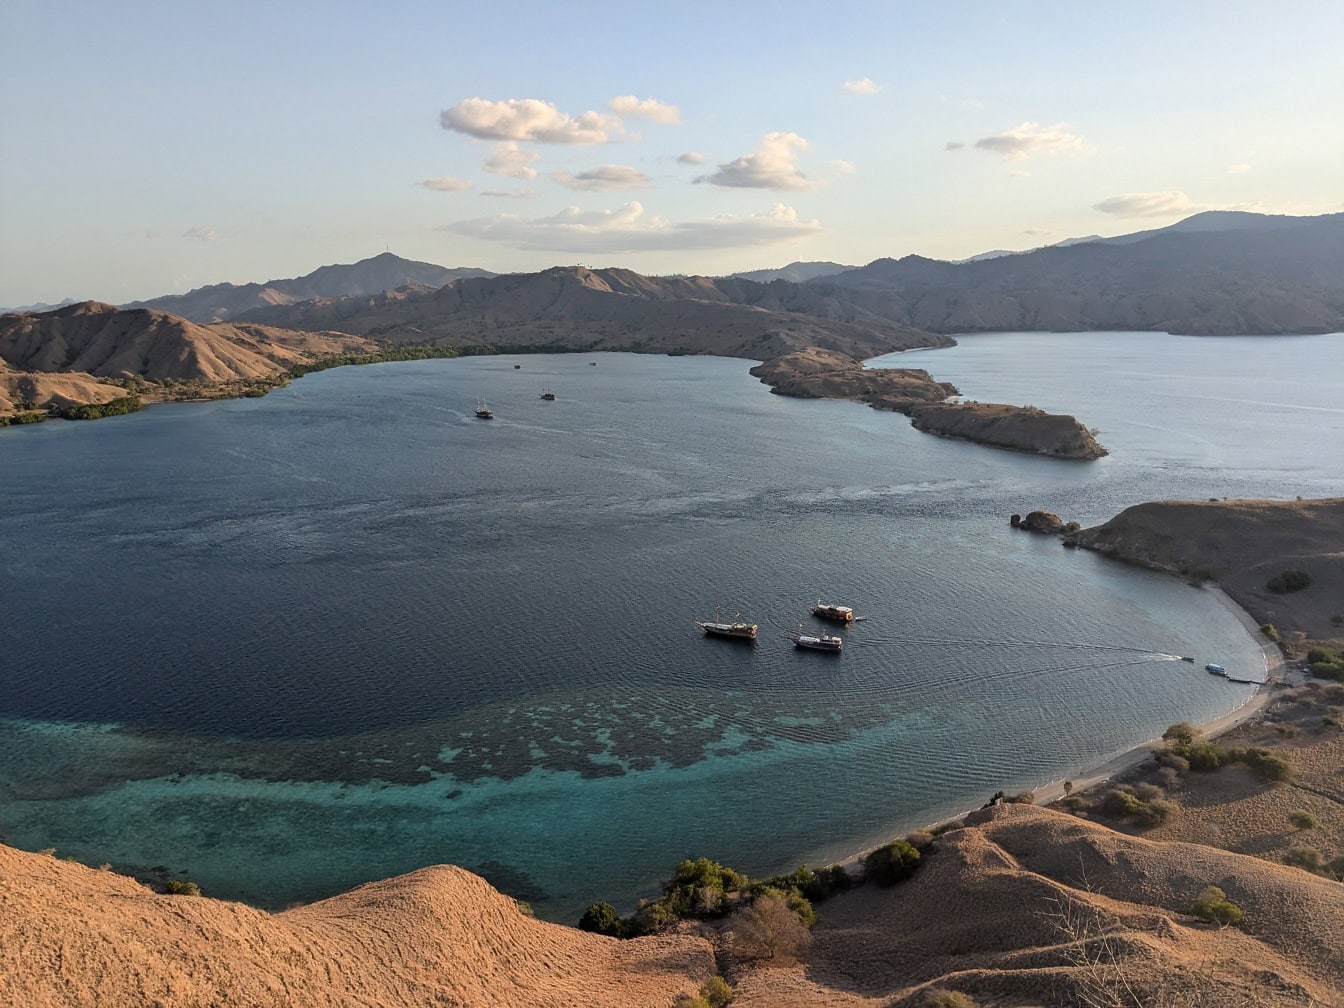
x=817 y=373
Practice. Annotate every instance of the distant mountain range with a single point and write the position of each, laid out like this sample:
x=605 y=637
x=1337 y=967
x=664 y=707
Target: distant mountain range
x=576 y=308
x=794 y=272
x=1216 y=273
x=223 y=301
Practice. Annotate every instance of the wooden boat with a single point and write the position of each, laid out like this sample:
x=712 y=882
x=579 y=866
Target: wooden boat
x=735 y=631
x=838 y=613
x=548 y=395
x=823 y=642
x=483 y=411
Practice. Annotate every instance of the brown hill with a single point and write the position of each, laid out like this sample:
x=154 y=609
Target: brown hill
x=219 y=302
x=1241 y=544
x=44 y=390
x=576 y=308
x=103 y=341
x=1211 y=274
x=71 y=935
x=1027 y=906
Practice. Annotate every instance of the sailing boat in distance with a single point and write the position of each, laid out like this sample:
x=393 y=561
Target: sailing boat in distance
x=548 y=395
x=484 y=412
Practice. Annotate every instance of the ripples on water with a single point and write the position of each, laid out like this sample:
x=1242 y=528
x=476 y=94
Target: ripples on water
x=347 y=630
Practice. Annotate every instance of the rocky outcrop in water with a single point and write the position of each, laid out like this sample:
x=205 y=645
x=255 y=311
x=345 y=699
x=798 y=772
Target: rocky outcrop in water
x=1019 y=428
x=814 y=373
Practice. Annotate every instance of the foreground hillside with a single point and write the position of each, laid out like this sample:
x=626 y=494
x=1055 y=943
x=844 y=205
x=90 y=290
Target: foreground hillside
x=1021 y=906
x=76 y=353
x=1243 y=545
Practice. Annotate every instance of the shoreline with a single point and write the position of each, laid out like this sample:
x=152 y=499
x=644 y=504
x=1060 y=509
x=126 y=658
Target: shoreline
x=1095 y=775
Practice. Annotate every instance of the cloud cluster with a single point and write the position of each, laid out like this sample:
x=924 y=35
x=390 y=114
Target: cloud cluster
x=691 y=157
x=446 y=183
x=862 y=86
x=771 y=166
x=1152 y=204
x=604 y=178
x=630 y=107
x=201 y=233
x=628 y=229
x=1029 y=138
x=1238 y=169
x=509 y=193
x=527 y=119
x=509 y=159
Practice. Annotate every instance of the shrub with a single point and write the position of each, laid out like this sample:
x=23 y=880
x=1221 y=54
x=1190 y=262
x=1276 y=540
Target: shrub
x=601 y=918
x=181 y=887
x=1120 y=803
x=1328 y=670
x=1288 y=581
x=1213 y=907
x=1149 y=792
x=891 y=864
x=920 y=840
x=1304 y=857
x=1168 y=777
x=937 y=998
x=1155 y=812
x=716 y=992
x=1270 y=631
x=1303 y=820
x=1022 y=798
x=1267 y=765
x=1320 y=654
x=766 y=929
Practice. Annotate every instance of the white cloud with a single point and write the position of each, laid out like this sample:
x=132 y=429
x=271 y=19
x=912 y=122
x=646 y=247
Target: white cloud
x=1029 y=138
x=862 y=86
x=509 y=159
x=1037 y=232
x=691 y=157
x=1019 y=174
x=526 y=119
x=770 y=167
x=632 y=107
x=509 y=193
x=953 y=145
x=1153 y=204
x=604 y=178
x=446 y=183
x=628 y=229
x=201 y=233
x=843 y=167
x=1238 y=169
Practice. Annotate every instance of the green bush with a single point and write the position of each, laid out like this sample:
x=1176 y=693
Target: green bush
x=938 y=998
x=602 y=918
x=1304 y=857
x=1328 y=670
x=1213 y=907
x=1267 y=765
x=716 y=992
x=1270 y=631
x=1288 y=581
x=1303 y=820
x=181 y=887
x=1321 y=654
x=893 y=863
x=95 y=411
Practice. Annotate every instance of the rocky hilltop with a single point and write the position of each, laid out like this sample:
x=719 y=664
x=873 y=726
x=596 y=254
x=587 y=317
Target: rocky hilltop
x=1243 y=545
x=576 y=308
x=379 y=273
x=57 y=358
x=1020 y=906
x=1018 y=428
x=1212 y=274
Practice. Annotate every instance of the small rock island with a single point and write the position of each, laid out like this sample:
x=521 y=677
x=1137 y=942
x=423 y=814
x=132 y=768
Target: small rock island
x=818 y=373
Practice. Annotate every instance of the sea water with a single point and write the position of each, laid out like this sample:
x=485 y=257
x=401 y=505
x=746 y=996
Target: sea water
x=287 y=645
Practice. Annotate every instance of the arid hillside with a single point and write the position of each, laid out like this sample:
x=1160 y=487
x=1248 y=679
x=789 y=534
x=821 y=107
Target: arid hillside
x=1243 y=545
x=57 y=358
x=576 y=308
x=71 y=935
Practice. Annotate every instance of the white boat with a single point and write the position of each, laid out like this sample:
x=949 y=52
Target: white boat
x=839 y=613
x=823 y=642
x=737 y=631
x=1215 y=669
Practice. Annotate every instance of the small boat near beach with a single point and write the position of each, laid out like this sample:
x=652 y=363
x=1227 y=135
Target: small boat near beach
x=837 y=613
x=734 y=631
x=822 y=642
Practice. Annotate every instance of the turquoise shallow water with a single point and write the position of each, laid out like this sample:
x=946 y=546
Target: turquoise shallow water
x=291 y=644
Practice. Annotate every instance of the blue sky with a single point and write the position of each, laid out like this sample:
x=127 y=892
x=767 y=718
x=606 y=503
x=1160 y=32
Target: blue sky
x=155 y=147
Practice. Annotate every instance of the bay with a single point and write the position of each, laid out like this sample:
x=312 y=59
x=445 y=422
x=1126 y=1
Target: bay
x=288 y=645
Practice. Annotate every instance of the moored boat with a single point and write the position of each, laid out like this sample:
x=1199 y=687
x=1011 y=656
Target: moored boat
x=548 y=395
x=822 y=642
x=483 y=411
x=735 y=631
x=838 y=613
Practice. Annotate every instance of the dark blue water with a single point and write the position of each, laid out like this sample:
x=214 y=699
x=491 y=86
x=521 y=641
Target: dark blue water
x=291 y=644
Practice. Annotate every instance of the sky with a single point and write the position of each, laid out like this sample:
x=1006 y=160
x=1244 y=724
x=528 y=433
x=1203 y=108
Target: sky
x=151 y=148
